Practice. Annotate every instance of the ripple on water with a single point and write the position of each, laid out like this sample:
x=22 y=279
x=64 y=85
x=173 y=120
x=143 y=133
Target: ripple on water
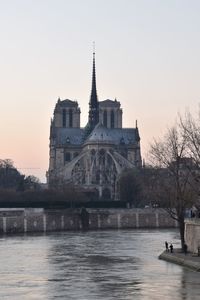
x=107 y=265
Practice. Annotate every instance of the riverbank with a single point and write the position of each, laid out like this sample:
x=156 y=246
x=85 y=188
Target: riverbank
x=190 y=260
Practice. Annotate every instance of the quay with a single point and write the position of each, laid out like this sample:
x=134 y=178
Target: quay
x=189 y=260
x=46 y=220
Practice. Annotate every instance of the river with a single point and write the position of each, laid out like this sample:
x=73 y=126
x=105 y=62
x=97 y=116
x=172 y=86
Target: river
x=93 y=265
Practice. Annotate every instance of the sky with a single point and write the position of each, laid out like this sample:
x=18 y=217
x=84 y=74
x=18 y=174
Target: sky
x=147 y=56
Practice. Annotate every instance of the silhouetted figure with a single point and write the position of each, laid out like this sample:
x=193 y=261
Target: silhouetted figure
x=193 y=214
x=167 y=246
x=171 y=248
x=185 y=248
x=84 y=215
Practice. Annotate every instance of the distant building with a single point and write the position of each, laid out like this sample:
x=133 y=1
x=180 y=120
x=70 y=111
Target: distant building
x=92 y=157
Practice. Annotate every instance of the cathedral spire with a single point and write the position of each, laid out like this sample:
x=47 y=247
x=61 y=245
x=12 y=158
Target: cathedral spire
x=93 y=105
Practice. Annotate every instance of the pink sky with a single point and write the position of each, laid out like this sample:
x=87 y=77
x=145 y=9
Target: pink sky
x=147 y=56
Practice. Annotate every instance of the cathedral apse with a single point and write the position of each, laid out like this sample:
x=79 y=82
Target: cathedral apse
x=94 y=156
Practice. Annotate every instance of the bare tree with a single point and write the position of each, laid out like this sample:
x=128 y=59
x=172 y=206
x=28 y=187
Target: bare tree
x=175 y=182
x=130 y=187
x=190 y=127
x=10 y=177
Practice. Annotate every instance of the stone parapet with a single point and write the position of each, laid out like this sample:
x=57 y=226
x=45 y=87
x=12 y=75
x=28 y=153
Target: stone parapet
x=41 y=220
x=192 y=234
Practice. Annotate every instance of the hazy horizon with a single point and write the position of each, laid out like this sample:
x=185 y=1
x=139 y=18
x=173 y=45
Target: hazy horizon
x=146 y=57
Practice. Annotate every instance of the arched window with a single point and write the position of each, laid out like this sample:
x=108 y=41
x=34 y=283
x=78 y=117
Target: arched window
x=75 y=154
x=97 y=176
x=105 y=118
x=70 y=118
x=64 y=118
x=102 y=157
x=67 y=156
x=124 y=153
x=112 y=119
x=92 y=152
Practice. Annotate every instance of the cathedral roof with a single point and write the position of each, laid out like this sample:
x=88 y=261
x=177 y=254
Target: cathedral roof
x=101 y=134
x=109 y=103
x=66 y=102
x=72 y=136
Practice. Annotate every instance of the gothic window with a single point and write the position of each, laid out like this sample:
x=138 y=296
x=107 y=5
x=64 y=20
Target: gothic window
x=109 y=160
x=97 y=177
x=75 y=154
x=105 y=118
x=105 y=178
x=122 y=142
x=102 y=152
x=93 y=152
x=124 y=153
x=64 y=117
x=112 y=119
x=67 y=156
x=70 y=118
x=102 y=157
x=106 y=195
x=83 y=178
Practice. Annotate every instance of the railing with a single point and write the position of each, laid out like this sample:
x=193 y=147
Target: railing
x=192 y=220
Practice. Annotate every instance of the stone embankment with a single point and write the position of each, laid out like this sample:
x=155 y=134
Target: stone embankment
x=189 y=260
x=192 y=234
x=42 y=220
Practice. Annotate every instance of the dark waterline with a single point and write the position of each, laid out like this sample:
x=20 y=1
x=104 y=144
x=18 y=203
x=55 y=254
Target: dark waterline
x=93 y=265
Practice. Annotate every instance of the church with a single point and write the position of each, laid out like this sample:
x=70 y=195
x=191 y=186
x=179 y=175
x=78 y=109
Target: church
x=92 y=157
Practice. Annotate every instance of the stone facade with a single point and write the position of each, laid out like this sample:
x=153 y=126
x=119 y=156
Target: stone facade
x=92 y=157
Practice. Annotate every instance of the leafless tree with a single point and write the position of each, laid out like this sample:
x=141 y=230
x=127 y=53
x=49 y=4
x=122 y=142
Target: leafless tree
x=130 y=187
x=175 y=189
x=190 y=127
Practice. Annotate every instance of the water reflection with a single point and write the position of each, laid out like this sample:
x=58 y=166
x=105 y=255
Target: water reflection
x=189 y=288
x=93 y=265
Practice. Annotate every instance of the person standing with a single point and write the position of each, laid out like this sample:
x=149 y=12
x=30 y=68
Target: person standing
x=185 y=248
x=171 y=248
x=166 y=246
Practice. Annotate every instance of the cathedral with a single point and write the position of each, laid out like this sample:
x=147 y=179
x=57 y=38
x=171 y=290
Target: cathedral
x=92 y=157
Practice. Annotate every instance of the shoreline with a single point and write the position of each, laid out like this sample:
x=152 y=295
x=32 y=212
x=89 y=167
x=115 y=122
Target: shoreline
x=189 y=260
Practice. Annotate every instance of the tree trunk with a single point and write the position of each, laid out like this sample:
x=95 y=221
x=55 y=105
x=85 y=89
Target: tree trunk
x=182 y=231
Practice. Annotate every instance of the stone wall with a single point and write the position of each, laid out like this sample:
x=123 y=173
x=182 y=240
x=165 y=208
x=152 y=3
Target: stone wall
x=41 y=220
x=192 y=234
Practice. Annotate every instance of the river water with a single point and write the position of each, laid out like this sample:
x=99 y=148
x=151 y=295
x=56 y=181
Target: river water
x=93 y=265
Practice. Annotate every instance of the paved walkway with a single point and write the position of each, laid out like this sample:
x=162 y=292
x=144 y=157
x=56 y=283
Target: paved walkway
x=189 y=260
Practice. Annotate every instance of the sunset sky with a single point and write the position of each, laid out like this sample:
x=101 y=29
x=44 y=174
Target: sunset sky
x=147 y=56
